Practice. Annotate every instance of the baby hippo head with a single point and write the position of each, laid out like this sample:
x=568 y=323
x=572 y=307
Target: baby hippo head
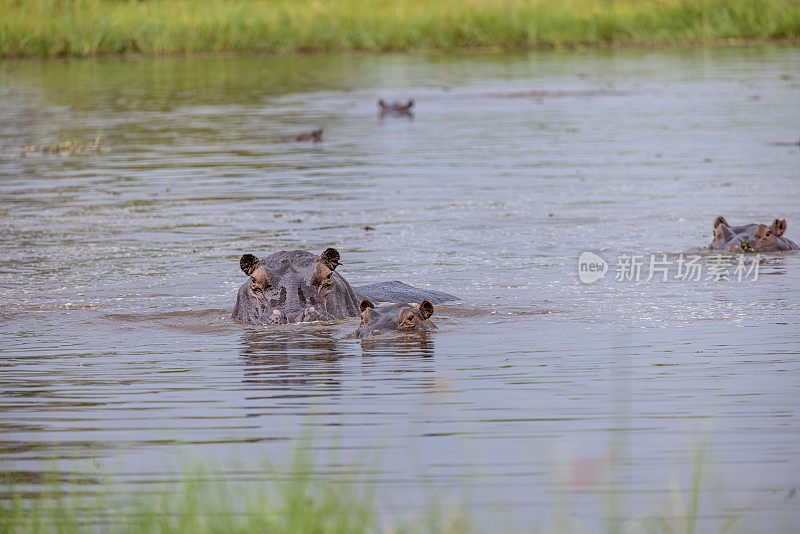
x=394 y=318
x=751 y=237
x=293 y=287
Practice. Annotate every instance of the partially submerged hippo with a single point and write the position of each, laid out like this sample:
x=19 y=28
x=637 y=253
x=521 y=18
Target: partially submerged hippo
x=294 y=286
x=394 y=318
x=313 y=135
x=751 y=237
x=395 y=109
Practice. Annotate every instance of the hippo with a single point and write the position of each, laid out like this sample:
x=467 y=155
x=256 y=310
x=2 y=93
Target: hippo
x=295 y=286
x=292 y=287
x=751 y=237
x=314 y=135
x=393 y=318
x=395 y=109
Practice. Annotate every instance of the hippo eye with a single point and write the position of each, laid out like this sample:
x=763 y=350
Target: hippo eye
x=256 y=286
x=768 y=234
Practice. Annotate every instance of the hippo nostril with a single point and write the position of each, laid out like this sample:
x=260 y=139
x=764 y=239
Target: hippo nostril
x=278 y=317
x=300 y=295
x=282 y=297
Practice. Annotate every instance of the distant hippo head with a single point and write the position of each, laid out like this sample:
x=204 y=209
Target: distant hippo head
x=293 y=286
x=394 y=318
x=313 y=135
x=751 y=237
x=395 y=109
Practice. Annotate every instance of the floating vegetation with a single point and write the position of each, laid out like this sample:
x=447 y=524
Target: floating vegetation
x=62 y=148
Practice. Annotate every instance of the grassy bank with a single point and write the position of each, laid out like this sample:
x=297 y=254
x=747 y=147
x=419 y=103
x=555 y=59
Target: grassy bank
x=80 y=28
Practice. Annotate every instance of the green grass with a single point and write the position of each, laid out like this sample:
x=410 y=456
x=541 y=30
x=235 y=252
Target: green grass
x=202 y=504
x=81 y=28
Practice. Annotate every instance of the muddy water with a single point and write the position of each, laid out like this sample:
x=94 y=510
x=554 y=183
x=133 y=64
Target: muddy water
x=118 y=272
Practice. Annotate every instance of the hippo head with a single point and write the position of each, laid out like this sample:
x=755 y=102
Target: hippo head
x=293 y=286
x=394 y=318
x=770 y=238
x=750 y=237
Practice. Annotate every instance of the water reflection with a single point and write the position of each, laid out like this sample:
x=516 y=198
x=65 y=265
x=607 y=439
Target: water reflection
x=407 y=346
x=290 y=371
x=260 y=346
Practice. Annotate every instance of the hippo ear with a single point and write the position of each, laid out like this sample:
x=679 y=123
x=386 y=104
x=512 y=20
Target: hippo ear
x=330 y=258
x=720 y=220
x=409 y=103
x=779 y=226
x=248 y=263
x=365 y=305
x=382 y=103
x=426 y=309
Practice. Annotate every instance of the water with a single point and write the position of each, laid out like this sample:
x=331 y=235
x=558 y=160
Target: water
x=118 y=272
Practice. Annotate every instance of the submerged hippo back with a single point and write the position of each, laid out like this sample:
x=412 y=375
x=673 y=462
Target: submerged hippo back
x=293 y=286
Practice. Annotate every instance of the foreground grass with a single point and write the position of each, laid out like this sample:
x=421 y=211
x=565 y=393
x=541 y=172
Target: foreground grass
x=294 y=501
x=79 y=28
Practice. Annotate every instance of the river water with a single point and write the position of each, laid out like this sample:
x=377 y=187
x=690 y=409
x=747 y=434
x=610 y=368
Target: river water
x=538 y=393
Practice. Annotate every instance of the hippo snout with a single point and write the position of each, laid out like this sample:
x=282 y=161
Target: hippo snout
x=306 y=315
x=311 y=314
